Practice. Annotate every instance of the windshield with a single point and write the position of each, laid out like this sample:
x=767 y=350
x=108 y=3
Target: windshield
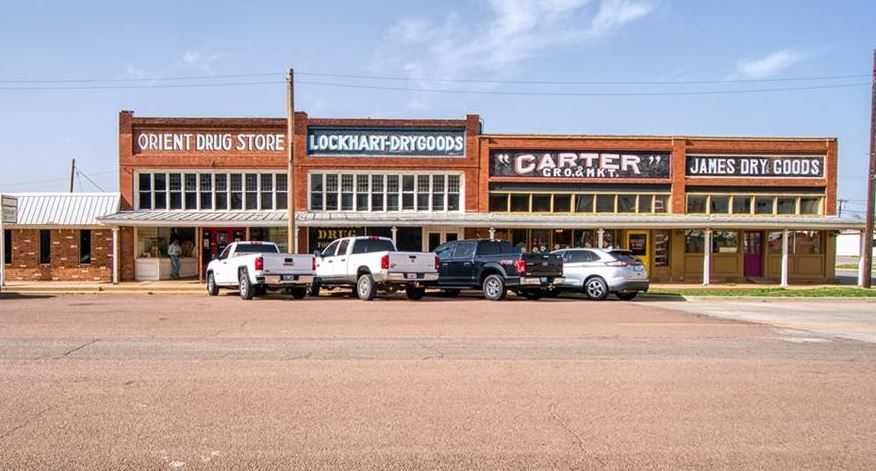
x=625 y=256
x=256 y=248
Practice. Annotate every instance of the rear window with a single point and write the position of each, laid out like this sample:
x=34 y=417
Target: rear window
x=488 y=247
x=625 y=256
x=506 y=247
x=373 y=245
x=256 y=248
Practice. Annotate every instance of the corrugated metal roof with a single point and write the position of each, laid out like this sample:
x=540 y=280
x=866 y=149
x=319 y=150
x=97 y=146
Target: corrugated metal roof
x=668 y=221
x=64 y=209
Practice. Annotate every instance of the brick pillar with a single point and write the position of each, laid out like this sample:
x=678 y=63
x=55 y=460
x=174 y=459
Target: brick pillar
x=679 y=153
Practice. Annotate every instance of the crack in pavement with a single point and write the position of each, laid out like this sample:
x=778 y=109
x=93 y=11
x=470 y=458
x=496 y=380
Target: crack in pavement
x=565 y=425
x=77 y=349
x=25 y=424
x=439 y=354
x=300 y=357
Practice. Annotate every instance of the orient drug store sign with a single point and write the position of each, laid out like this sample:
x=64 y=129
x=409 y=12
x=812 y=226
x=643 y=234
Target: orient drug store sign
x=209 y=142
x=599 y=165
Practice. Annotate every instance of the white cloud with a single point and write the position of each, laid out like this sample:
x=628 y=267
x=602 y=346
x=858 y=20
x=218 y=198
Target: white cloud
x=511 y=32
x=769 y=65
x=200 y=60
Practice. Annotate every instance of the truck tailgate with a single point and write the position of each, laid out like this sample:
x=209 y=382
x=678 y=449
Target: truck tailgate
x=412 y=262
x=287 y=264
x=543 y=264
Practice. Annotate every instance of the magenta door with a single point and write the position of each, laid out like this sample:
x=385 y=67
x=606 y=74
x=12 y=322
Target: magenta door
x=753 y=264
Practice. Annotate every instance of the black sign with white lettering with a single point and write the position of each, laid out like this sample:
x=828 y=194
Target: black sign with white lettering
x=385 y=142
x=600 y=165
x=755 y=166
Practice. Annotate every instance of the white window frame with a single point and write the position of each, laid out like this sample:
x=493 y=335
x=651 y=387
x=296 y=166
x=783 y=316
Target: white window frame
x=213 y=190
x=384 y=190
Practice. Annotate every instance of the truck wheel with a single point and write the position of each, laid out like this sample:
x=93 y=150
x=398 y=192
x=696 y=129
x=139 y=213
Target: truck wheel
x=596 y=288
x=212 y=289
x=314 y=287
x=415 y=293
x=261 y=290
x=494 y=288
x=298 y=292
x=247 y=290
x=366 y=289
x=452 y=292
x=532 y=295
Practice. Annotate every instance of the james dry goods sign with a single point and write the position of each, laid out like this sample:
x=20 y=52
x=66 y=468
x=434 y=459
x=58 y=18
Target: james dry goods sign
x=385 y=142
x=755 y=166
x=574 y=164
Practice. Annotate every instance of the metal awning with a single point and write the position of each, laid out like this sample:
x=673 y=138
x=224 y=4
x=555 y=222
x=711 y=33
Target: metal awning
x=499 y=221
x=63 y=210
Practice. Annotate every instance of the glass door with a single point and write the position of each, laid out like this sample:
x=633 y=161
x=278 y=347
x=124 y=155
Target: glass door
x=640 y=246
x=753 y=248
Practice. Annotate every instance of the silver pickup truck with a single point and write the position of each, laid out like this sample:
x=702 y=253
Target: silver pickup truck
x=255 y=267
x=369 y=264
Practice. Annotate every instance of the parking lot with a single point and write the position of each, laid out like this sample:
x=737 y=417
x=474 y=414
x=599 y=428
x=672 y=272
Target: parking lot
x=191 y=382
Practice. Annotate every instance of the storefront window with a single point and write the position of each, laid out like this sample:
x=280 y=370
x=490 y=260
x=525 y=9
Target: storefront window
x=346 y=192
x=282 y=191
x=763 y=205
x=609 y=239
x=423 y=192
x=583 y=203
x=7 y=246
x=786 y=205
x=585 y=238
x=453 y=189
x=175 y=191
x=541 y=203
x=160 y=188
x=392 y=198
x=807 y=242
x=407 y=192
x=498 y=202
x=725 y=242
x=236 y=185
x=741 y=205
x=191 y=191
x=539 y=240
x=661 y=204
x=774 y=242
x=626 y=203
x=661 y=248
x=810 y=205
x=519 y=237
x=252 y=191
x=377 y=197
x=520 y=203
x=719 y=204
x=145 y=187
x=152 y=242
x=438 y=197
x=206 y=191
x=221 y=191
x=694 y=241
x=562 y=239
x=84 y=246
x=277 y=235
x=696 y=204
x=331 y=192
x=646 y=203
x=605 y=203
x=562 y=203
x=266 y=183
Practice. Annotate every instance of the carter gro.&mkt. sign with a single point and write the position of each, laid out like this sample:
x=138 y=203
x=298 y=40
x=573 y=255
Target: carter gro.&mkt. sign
x=554 y=164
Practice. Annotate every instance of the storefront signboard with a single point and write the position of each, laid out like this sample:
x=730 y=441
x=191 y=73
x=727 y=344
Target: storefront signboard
x=9 y=213
x=385 y=142
x=755 y=166
x=208 y=142
x=320 y=237
x=574 y=164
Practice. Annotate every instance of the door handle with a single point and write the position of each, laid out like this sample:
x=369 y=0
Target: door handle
x=330 y=261
x=342 y=260
x=466 y=263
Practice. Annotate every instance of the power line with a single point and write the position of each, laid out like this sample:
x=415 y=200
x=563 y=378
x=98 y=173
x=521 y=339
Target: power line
x=82 y=174
x=51 y=180
x=152 y=79
x=124 y=87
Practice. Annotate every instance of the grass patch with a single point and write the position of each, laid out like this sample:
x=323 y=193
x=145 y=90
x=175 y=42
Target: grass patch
x=820 y=292
x=847 y=265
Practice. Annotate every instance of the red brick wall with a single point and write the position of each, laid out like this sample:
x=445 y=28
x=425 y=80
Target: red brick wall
x=65 y=264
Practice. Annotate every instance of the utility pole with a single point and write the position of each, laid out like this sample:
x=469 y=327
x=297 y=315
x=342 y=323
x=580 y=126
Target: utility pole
x=290 y=151
x=867 y=236
x=842 y=204
x=72 y=173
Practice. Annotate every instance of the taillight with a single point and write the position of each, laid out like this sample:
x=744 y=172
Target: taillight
x=437 y=262
x=259 y=263
x=617 y=263
x=313 y=264
x=520 y=265
x=384 y=262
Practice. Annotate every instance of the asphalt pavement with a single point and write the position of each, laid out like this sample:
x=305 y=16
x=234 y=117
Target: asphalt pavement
x=191 y=382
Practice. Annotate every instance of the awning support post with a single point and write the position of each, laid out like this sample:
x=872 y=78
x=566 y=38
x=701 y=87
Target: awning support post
x=492 y=233
x=785 y=236
x=394 y=236
x=707 y=257
x=599 y=235
x=862 y=259
x=115 y=255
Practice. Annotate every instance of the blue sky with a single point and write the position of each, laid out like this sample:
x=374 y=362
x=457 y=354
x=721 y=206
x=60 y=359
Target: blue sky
x=552 y=40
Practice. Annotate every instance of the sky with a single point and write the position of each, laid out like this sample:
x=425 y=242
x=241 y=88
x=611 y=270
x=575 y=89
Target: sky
x=125 y=56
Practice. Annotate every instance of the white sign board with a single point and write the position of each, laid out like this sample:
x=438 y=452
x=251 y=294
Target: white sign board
x=9 y=209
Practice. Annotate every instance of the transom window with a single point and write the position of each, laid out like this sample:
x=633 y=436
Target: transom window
x=578 y=203
x=384 y=192
x=757 y=204
x=211 y=191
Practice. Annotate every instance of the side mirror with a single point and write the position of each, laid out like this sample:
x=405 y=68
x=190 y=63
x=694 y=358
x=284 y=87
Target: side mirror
x=317 y=253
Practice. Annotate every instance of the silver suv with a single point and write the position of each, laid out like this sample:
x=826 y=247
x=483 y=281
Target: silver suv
x=598 y=272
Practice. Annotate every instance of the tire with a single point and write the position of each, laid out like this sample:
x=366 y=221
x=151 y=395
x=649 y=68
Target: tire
x=298 y=292
x=245 y=287
x=494 y=288
x=627 y=296
x=212 y=288
x=596 y=288
x=365 y=288
x=532 y=295
x=414 y=293
x=452 y=292
x=313 y=290
x=261 y=290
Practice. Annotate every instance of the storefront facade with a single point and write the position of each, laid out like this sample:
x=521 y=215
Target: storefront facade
x=694 y=209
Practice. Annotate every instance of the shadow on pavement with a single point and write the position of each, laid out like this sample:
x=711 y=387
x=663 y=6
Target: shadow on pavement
x=25 y=296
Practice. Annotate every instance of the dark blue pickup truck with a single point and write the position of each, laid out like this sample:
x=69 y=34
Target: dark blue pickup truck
x=495 y=266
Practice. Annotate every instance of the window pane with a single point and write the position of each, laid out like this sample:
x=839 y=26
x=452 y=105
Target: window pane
x=584 y=203
x=145 y=200
x=252 y=195
x=741 y=205
x=221 y=182
x=453 y=202
x=191 y=200
x=377 y=193
x=786 y=205
x=763 y=205
x=541 y=203
x=282 y=200
x=236 y=185
x=774 y=242
x=810 y=205
x=191 y=182
x=605 y=203
x=626 y=203
x=407 y=200
x=661 y=248
x=145 y=181
x=175 y=182
x=696 y=204
x=694 y=241
x=160 y=181
x=645 y=203
x=7 y=246
x=725 y=242
x=562 y=203
x=719 y=204
x=520 y=203
x=206 y=186
x=175 y=200
x=160 y=200
x=807 y=242
x=407 y=183
x=661 y=204
x=84 y=247
x=280 y=180
x=45 y=246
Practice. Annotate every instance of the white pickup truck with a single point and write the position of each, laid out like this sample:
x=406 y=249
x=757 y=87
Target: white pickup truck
x=255 y=267
x=369 y=264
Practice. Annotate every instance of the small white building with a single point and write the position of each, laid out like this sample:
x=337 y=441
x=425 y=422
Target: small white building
x=848 y=244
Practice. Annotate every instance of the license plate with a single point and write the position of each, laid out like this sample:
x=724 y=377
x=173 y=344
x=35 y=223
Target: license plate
x=289 y=277
x=544 y=280
x=411 y=276
x=530 y=281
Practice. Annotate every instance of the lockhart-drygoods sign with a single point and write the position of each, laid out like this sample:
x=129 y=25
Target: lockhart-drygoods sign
x=384 y=142
x=755 y=166
x=574 y=164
